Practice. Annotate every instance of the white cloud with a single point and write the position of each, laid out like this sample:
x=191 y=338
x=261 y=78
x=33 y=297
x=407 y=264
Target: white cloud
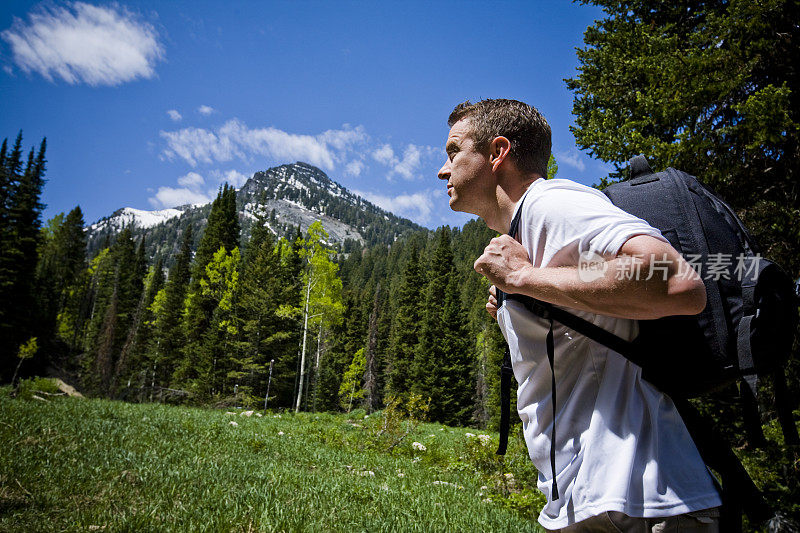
x=343 y=138
x=409 y=165
x=173 y=197
x=190 y=192
x=82 y=43
x=232 y=177
x=571 y=158
x=205 y=110
x=384 y=155
x=174 y=115
x=417 y=206
x=354 y=168
x=192 y=179
x=234 y=139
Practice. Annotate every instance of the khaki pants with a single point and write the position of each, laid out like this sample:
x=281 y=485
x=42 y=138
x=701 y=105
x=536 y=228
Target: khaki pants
x=705 y=521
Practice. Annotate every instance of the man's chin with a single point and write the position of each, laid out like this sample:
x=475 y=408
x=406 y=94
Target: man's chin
x=454 y=204
x=460 y=208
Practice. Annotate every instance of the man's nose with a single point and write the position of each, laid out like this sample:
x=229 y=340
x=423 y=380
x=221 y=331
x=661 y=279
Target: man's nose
x=444 y=172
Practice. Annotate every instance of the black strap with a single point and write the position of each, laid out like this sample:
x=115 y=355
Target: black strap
x=506 y=369
x=748 y=389
x=505 y=401
x=580 y=325
x=745 y=354
x=551 y=360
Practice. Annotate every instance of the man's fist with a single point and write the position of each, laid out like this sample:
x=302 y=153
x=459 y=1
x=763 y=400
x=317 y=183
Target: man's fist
x=502 y=263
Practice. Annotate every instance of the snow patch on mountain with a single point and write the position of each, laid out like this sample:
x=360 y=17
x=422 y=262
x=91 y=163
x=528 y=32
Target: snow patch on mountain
x=128 y=216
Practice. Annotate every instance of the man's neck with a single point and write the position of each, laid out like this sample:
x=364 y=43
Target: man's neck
x=508 y=194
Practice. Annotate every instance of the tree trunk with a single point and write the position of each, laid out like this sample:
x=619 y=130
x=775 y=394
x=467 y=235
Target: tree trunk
x=303 y=351
x=316 y=368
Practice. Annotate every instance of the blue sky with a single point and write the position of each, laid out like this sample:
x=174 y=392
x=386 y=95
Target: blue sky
x=155 y=104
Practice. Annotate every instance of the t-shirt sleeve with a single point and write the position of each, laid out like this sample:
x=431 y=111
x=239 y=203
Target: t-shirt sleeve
x=584 y=220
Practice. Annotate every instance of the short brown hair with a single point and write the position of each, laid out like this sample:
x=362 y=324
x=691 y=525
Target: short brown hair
x=523 y=125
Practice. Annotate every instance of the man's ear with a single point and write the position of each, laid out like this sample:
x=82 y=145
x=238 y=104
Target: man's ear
x=499 y=149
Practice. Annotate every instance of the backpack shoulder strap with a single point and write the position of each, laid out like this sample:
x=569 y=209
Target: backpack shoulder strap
x=512 y=232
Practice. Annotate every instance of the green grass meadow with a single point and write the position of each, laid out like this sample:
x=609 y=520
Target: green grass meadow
x=71 y=464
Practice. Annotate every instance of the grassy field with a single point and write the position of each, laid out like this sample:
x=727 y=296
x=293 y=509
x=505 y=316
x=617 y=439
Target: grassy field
x=70 y=464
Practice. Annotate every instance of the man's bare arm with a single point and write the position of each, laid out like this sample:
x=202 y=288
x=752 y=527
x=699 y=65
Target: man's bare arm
x=673 y=289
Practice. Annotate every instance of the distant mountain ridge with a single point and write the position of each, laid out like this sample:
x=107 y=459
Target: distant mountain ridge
x=285 y=197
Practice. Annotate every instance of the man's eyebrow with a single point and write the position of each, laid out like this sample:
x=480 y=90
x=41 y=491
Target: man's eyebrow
x=451 y=146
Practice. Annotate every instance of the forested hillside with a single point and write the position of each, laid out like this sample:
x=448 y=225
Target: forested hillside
x=233 y=316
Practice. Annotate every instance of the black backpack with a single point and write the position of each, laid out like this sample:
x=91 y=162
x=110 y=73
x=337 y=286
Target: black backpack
x=746 y=330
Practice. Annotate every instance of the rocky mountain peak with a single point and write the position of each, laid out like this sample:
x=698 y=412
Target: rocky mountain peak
x=283 y=198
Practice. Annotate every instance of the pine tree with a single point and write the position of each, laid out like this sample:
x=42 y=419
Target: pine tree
x=118 y=285
x=130 y=267
x=72 y=245
x=286 y=372
x=97 y=294
x=5 y=183
x=439 y=269
x=25 y=212
x=219 y=344
x=63 y=254
x=441 y=367
x=222 y=230
x=454 y=384
x=71 y=248
x=50 y=277
x=198 y=368
x=104 y=349
x=267 y=335
x=20 y=223
x=371 y=366
x=167 y=306
x=404 y=337
x=131 y=361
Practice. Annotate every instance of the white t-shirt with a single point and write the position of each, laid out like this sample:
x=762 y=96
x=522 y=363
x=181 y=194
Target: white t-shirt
x=620 y=443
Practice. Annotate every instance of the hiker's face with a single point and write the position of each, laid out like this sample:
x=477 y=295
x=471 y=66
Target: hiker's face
x=467 y=171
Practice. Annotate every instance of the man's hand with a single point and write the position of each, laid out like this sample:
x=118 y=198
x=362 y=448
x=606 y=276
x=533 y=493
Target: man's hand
x=503 y=262
x=491 y=305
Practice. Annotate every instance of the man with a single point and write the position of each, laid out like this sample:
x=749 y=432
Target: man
x=624 y=460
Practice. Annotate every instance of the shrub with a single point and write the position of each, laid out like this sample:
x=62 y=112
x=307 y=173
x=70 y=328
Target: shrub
x=29 y=387
x=398 y=419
